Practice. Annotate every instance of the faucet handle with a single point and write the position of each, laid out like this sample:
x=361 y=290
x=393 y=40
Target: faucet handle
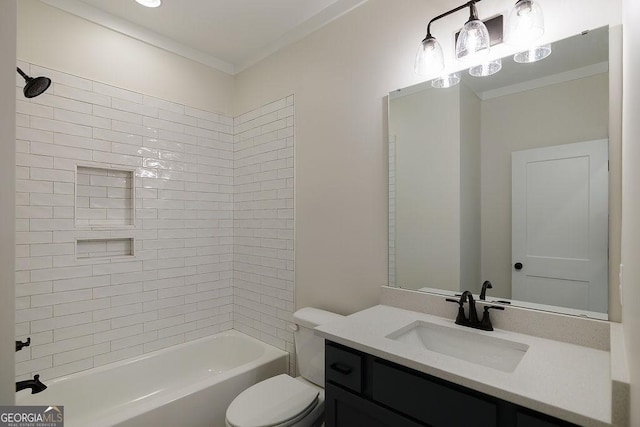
x=21 y=344
x=485 y=324
x=461 y=319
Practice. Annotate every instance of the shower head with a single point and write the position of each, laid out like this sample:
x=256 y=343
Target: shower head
x=34 y=86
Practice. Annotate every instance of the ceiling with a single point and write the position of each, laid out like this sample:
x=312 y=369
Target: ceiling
x=229 y=35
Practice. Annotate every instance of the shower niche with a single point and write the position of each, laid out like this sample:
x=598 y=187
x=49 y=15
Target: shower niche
x=104 y=248
x=104 y=198
x=104 y=213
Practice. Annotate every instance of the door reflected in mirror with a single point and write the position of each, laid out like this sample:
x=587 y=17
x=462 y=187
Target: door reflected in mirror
x=505 y=178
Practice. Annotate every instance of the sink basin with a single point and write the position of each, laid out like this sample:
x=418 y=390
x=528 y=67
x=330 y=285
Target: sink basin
x=492 y=352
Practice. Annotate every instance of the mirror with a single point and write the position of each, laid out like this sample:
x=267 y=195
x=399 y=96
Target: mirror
x=505 y=178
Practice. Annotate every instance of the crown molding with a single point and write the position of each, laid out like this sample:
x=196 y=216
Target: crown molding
x=135 y=31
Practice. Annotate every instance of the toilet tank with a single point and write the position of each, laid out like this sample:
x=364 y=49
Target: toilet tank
x=310 y=347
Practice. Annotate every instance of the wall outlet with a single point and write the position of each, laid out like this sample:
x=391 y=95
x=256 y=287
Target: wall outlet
x=621 y=281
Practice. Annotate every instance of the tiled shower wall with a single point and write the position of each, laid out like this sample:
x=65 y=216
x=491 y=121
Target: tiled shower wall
x=178 y=285
x=263 y=274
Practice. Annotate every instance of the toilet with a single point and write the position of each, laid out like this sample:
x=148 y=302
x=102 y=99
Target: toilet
x=284 y=401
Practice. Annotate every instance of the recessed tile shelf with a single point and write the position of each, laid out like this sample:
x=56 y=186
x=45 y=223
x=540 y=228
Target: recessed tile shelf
x=104 y=248
x=104 y=197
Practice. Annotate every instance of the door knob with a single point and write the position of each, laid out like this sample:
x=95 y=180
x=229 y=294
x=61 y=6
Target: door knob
x=518 y=266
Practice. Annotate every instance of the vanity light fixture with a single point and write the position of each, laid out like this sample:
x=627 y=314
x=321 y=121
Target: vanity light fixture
x=472 y=42
x=150 y=3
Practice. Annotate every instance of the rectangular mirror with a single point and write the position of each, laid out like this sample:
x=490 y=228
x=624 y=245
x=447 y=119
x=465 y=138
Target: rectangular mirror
x=505 y=179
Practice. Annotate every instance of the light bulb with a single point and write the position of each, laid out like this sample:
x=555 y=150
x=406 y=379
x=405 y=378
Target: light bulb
x=525 y=23
x=473 y=41
x=429 y=59
x=150 y=3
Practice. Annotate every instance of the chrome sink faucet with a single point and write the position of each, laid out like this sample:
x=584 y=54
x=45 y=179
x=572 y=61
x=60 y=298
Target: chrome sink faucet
x=472 y=321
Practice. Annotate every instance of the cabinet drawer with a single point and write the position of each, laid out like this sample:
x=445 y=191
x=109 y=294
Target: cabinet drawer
x=343 y=367
x=429 y=401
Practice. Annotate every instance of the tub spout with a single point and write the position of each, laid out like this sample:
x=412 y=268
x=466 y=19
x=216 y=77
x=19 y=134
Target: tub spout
x=35 y=385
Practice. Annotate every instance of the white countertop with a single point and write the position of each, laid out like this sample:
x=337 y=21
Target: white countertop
x=563 y=380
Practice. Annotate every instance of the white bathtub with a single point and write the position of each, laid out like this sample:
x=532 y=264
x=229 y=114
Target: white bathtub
x=187 y=385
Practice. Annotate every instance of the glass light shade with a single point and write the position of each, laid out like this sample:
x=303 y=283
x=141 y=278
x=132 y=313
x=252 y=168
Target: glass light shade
x=486 y=69
x=429 y=59
x=446 y=81
x=150 y=3
x=473 y=41
x=533 y=55
x=525 y=23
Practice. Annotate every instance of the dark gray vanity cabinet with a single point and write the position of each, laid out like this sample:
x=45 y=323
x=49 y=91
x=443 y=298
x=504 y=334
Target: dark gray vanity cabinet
x=362 y=390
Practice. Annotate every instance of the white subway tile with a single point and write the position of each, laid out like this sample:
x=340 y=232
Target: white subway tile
x=133 y=340
x=110 y=113
x=54 y=101
x=33 y=365
x=79 y=354
x=81 y=95
x=163 y=343
x=81 y=119
x=61 y=78
x=60 y=127
x=80 y=307
x=81 y=330
x=60 y=322
x=132 y=107
x=60 y=346
x=117 y=355
x=116 y=334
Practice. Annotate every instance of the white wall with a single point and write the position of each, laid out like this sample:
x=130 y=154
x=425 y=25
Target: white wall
x=341 y=75
x=428 y=178
x=7 y=195
x=55 y=39
x=564 y=113
x=631 y=201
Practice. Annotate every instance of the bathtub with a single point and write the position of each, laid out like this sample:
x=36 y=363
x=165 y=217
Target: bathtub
x=191 y=384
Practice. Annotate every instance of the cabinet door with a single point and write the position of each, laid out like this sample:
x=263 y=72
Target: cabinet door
x=525 y=419
x=429 y=400
x=345 y=409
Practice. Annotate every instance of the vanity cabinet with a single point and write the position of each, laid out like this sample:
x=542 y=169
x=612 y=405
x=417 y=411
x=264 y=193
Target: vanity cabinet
x=362 y=390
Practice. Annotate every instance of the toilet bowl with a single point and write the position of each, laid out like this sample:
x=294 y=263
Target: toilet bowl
x=284 y=401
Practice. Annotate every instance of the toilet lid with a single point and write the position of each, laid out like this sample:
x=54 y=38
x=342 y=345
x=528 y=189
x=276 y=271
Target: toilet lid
x=271 y=402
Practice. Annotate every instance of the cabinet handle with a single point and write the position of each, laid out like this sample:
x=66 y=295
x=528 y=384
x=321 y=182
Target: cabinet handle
x=339 y=367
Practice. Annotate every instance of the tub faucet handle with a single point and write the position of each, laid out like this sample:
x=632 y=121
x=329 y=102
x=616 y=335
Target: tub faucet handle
x=21 y=344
